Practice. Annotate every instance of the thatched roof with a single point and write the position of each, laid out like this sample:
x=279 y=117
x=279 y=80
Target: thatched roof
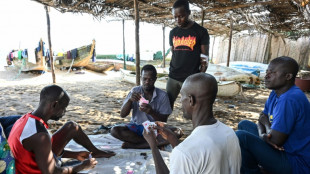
x=290 y=18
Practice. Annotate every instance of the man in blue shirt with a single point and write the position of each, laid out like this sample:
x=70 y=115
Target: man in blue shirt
x=280 y=142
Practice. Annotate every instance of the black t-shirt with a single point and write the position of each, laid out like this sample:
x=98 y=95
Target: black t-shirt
x=186 y=50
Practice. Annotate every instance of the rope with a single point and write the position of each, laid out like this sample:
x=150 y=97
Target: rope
x=70 y=66
x=20 y=69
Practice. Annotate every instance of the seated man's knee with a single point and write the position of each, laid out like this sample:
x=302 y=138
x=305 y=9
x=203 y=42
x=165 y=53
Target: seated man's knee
x=115 y=131
x=71 y=125
x=242 y=136
x=242 y=124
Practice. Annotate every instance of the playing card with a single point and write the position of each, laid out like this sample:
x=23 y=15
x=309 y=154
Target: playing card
x=148 y=125
x=143 y=100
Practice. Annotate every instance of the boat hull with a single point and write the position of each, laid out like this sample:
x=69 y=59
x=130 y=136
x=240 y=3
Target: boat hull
x=225 y=88
x=85 y=54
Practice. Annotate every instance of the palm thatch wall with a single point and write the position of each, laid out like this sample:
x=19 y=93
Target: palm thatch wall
x=261 y=48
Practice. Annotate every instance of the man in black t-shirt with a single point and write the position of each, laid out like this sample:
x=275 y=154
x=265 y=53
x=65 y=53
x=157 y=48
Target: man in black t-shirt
x=190 y=49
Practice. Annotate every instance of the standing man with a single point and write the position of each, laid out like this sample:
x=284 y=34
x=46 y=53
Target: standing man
x=190 y=49
x=280 y=142
x=212 y=147
x=157 y=109
x=36 y=151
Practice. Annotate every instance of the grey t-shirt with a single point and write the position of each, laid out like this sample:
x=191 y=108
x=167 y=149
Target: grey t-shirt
x=160 y=104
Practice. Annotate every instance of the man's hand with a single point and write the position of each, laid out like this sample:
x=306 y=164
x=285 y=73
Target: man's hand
x=146 y=108
x=89 y=163
x=203 y=64
x=267 y=137
x=167 y=133
x=135 y=97
x=150 y=137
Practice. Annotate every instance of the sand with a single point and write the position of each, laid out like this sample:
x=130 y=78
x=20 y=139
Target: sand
x=96 y=99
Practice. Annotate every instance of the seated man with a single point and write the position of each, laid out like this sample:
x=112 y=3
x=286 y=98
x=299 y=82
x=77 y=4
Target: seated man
x=36 y=151
x=280 y=142
x=158 y=109
x=7 y=123
x=212 y=147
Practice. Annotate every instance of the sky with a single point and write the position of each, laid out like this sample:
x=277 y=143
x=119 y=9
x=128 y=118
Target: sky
x=23 y=23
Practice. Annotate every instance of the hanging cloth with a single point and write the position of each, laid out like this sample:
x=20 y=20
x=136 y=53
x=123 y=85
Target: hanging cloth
x=19 y=53
x=74 y=53
x=69 y=55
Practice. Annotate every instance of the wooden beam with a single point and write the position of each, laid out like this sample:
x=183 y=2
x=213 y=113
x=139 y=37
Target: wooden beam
x=77 y=4
x=241 y=6
x=50 y=42
x=153 y=6
x=202 y=18
x=124 y=56
x=164 y=50
x=137 y=42
x=230 y=38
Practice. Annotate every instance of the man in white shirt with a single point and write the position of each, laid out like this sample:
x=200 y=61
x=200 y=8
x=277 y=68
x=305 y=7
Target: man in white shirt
x=212 y=147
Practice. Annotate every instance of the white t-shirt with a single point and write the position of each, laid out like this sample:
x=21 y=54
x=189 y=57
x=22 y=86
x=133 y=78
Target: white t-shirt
x=211 y=149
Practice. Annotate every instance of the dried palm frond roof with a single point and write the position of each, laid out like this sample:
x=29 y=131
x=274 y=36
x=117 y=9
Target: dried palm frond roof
x=290 y=18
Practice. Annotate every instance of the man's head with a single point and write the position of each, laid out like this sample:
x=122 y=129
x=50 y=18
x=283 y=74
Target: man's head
x=198 y=92
x=181 y=12
x=148 y=77
x=281 y=73
x=55 y=101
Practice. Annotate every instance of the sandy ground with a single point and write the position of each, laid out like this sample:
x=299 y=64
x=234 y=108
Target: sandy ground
x=96 y=99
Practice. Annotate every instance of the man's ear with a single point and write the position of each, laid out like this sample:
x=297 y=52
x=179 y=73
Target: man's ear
x=192 y=100
x=289 y=76
x=55 y=104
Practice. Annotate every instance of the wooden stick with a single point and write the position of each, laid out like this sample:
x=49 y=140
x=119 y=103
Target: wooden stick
x=202 y=18
x=124 y=56
x=164 y=51
x=230 y=38
x=50 y=42
x=137 y=42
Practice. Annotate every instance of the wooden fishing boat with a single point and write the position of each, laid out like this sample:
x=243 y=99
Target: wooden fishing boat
x=84 y=55
x=225 y=88
x=223 y=73
x=99 y=67
x=24 y=65
x=118 y=64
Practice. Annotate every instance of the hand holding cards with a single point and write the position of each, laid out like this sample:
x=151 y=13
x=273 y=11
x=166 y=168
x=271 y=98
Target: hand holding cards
x=148 y=125
x=143 y=100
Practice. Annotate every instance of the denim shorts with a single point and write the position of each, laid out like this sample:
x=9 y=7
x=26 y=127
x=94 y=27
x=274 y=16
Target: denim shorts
x=138 y=129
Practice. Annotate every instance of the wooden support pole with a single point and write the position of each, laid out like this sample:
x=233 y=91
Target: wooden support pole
x=230 y=38
x=50 y=42
x=212 y=58
x=164 y=50
x=124 y=56
x=137 y=43
x=203 y=17
x=268 y=49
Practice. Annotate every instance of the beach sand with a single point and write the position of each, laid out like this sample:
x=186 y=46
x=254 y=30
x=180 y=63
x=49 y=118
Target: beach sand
x=96 y=99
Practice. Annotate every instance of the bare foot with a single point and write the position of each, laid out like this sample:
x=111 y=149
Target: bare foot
x=103 y=154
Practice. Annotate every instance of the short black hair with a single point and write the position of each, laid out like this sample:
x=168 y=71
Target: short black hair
x=291 y=65
x=149 y=67
x=54 y=93
x=181 y=3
